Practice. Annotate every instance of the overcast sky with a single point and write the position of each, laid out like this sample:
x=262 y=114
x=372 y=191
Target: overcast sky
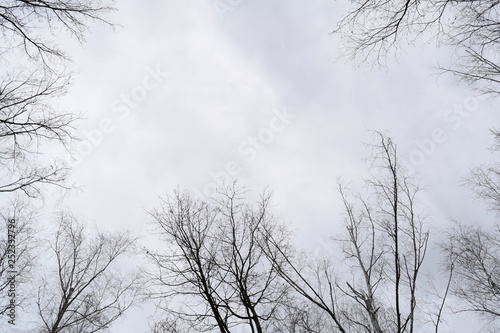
x=184 y=93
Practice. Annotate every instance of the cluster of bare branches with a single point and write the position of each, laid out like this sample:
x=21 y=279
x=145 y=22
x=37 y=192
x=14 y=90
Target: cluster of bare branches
x=484 y=180
x=21 y=22
x=83 y=291
x=214 y=264
x=374 y=28
x=82 y=281
x=473 y=252
x=384 y=249
x=226 y=265
x=474 y=260
x=18 y=252
x=28 y=119
x=232 y=265
x=86 y=291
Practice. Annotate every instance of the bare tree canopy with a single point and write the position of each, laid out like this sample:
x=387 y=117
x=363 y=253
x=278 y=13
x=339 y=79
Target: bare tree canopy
x=374 y=28
x=21 y=22
x=383 y=250
x=226 y=264
x=214 y=264
x=87 y=291
x=28 y=120
x=473 y=252
x=474 y=259
x=484 y=180
x=18 y=253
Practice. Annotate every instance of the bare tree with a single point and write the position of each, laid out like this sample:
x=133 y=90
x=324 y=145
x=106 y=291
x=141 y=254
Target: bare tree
x=474 y=258
x=28 y=121
x=373 y=28
x=484 y=180
x=473 y=253
x=384 y=250
x=394 y=240
x=186 y=267
x=21 y=21
x=252 y=289
x=18 y=254
x=87 y=291
x=312 y=279
x=214 y=262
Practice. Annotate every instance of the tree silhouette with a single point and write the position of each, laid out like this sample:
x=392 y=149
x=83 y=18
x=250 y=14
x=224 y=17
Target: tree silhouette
x=86 y=292
x=374 y=28
x=213 y=262
x=384 y=249
x=32 y=75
